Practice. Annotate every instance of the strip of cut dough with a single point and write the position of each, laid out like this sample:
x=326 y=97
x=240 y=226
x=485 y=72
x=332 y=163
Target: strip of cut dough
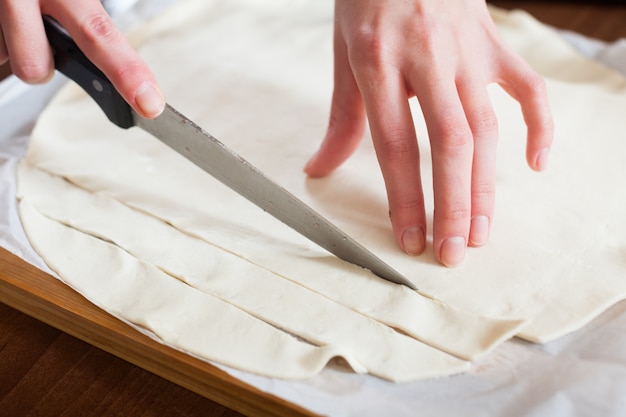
x=366 y=344
x=251 y=288
x=172 y=311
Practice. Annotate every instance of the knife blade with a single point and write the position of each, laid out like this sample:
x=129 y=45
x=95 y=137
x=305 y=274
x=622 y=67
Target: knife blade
x=208 y=153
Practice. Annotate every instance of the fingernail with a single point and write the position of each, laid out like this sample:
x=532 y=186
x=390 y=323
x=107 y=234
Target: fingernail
x=479 y=230
x=452 y=251
x=413 y=240
x=149 y=100
x=542 y=159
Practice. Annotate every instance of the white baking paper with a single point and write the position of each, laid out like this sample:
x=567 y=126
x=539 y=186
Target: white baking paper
x=581 y=374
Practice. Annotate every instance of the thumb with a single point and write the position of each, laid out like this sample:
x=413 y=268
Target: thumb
x=346 y=124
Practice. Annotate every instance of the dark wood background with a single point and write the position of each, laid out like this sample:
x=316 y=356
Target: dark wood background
x=45 y=372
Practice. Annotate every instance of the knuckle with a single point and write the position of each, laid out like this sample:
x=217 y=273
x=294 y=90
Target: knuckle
x=32 y=73
x=367 y=36
x=131 y=70
x=408 y=200
x=415 y=205
x=397 y=145
x=483 y=122
x=453 y=136
x=454 y=213
x=127 y=73
x=533 y=84
x=367 y=45
x=98 y=27
x=346 y=109
x=483 y=192
x=342 y=125
x=405 y=209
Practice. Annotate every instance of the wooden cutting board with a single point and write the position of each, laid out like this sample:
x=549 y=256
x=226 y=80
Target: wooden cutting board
x=36 y=293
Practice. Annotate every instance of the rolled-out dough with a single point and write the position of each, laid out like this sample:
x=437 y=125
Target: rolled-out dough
x=259 y=77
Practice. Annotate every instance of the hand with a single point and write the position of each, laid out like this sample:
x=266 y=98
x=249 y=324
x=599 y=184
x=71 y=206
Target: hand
x=23 y=42
x=445 y=52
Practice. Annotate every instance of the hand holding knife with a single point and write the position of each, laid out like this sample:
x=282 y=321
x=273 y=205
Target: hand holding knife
x=199 y=147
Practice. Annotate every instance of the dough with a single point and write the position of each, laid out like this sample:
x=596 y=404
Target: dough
x=221 y=278
x=259 y=77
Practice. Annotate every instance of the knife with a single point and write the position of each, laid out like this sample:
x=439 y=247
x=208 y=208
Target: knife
x=205 y=151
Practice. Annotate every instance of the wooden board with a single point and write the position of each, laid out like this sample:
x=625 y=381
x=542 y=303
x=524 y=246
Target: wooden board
x=36 y=293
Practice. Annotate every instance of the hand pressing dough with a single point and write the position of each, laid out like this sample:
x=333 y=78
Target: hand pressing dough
x=259 y=77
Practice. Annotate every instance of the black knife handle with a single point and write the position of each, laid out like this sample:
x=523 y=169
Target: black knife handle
x=71 y=61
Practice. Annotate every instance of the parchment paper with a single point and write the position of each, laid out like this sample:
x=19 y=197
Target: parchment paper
x=582 y=374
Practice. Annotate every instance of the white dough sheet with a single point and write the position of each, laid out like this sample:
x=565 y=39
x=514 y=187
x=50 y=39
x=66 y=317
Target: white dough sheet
x=158 y=243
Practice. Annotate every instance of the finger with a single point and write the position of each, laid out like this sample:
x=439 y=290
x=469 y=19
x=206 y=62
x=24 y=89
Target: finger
x=393 y=133
x=25 y=41
x=347 y=118
x=96 y=35
x=452 y=153
x=484 y=127
x=529 y=89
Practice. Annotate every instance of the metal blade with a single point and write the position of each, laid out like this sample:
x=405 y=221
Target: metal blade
x=199 y=147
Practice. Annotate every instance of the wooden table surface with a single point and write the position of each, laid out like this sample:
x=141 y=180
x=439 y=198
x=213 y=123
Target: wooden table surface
x=46 y=372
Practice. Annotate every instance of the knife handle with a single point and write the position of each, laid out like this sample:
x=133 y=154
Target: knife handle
x=70 y=60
